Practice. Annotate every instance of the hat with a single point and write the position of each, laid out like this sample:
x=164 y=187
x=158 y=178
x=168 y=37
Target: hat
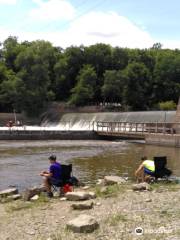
x=52 y=157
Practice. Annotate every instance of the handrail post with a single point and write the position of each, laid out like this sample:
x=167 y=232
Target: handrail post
x=164 y=128
x=156 y=127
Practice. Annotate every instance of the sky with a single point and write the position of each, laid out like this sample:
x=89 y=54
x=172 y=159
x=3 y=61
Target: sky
x=123 y=23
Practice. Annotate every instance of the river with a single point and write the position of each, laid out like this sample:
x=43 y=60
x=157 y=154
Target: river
x=21 y=161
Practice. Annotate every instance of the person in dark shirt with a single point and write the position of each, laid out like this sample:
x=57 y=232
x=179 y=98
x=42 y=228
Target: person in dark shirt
x=53 y=176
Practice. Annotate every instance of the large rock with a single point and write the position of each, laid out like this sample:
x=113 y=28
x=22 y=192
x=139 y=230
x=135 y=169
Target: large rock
x=92 y=195
x=8 y=192
x=31 y=192
x=100 y=182
x=83 y=224
x=79 y=196
x=82 y=205
x=35 y=198
x=141 y=187
x=14 y=197
x=110 y=180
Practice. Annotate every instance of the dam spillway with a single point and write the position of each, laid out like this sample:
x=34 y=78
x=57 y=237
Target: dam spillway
x=83 y=126
x=84 y=121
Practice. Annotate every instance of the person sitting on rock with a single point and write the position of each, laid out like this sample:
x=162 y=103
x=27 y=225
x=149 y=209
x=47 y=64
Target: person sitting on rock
x=145 y=171
x=53 y=176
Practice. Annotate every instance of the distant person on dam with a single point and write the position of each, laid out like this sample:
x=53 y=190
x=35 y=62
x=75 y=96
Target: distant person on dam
x=145 y=171
x=53 y=176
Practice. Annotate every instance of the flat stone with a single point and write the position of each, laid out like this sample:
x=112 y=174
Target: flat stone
x=30 y=192
x=79 y=196
x=8 y=192
x=35 y=198
x=63 y=199
x=141 y=187
x=85 y=187
x=30 y=232
x=83 y=224
x=100 y=182
x=82 y=205
x=98 y=204
x=92 y=195
x=104 y=189
x=14 y=197
x=110 y=180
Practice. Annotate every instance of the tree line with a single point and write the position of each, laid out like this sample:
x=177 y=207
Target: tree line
x=35 y=73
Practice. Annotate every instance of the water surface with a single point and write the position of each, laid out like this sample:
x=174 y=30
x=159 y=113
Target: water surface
x=21 y=161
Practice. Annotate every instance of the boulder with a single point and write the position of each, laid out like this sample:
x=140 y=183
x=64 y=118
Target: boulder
x=92 y=195
x=31 y=192
x=83 y=224
x=14 y=197
x=104 y=189
x=100 y=182
x=8 y=192
x=141 y=187
x=82 y=205
x=79 y=196
x=110 y=180
x=63 y=199
x=35 y=198
x=85 y=187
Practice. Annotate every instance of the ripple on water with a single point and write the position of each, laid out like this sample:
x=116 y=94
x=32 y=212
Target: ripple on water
x=21 y=161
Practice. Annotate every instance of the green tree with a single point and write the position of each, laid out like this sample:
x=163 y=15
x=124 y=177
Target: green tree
x=168 y=105
x=167 y=76
x=114 y=82
x=119 y=58
x=100 y=57
x=10 y=51
x=66 y=70
x=34 y=64
x=7 y=88
x=157 y=46
x=83 y=92
x=136 y=87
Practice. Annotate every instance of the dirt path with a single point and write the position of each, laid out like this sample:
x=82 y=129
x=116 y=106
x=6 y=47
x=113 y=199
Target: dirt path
x=119 y=213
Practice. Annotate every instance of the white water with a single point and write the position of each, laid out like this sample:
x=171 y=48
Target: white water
x=85 y=121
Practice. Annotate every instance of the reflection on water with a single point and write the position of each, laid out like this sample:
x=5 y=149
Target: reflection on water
x=21 y=161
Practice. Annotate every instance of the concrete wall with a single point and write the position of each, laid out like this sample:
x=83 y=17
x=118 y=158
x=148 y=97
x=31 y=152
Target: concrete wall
x=163 y=139
x=48 y=135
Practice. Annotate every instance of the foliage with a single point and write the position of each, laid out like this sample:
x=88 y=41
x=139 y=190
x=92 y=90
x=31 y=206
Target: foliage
x=113 y=88
x=138 y=82
x=168 y=105
x=66 y=70
x=33 y=64
x=35 y=73
x=83 y=92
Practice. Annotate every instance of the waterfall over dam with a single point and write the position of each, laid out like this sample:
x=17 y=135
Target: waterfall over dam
x=85 y=121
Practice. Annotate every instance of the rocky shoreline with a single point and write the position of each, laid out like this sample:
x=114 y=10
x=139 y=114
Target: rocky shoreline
x=113 y=209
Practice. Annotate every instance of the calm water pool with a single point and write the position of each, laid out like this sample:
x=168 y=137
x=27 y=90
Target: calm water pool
x=21 y=161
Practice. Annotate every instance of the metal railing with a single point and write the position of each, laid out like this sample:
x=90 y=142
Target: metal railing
x=143 y=127
x=103 y=126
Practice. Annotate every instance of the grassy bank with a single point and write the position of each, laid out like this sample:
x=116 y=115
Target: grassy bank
x=119 y=211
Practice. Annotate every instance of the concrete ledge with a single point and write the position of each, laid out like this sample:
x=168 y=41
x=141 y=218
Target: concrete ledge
x=163 y=139
x=48 y=135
